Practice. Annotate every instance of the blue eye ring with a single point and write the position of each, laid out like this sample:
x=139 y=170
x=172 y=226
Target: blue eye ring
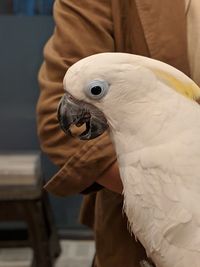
x=97 y=89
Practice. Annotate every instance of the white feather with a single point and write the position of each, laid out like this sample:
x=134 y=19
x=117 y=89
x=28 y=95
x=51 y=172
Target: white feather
x=156 y=132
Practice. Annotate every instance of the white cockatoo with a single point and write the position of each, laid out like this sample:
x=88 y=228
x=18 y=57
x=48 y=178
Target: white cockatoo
x=153 y=117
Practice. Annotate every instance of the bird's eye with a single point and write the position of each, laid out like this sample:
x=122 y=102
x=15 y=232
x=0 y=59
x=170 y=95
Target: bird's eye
x=97 y=89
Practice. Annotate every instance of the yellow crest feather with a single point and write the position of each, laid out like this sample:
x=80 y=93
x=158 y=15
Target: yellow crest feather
x=188 y=89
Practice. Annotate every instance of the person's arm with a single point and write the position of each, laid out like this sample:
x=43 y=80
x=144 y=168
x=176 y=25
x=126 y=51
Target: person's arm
x=82 y=28
x=111 y=179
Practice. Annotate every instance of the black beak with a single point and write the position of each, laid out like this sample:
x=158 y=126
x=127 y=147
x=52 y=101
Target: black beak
x=75 y=112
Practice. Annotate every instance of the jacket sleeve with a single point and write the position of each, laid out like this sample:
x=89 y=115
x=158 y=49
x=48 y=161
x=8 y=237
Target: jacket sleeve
x=82 y=28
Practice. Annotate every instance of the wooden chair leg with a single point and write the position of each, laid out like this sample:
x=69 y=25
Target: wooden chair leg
x=93 y=262
x=38 y=233
x=54 y=240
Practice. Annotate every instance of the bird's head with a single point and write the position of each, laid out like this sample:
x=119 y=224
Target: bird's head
x=99 y=90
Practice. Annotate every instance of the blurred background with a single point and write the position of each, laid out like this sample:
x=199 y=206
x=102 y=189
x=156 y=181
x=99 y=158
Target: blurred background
x=26 y=7
x=25 y=26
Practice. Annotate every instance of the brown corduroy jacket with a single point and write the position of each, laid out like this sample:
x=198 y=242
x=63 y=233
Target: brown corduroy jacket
x=151 y=28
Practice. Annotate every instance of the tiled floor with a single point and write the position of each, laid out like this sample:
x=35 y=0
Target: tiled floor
x=74 y=254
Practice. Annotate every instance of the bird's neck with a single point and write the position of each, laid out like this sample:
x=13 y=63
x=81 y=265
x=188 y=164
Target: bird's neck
x=146 y=123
